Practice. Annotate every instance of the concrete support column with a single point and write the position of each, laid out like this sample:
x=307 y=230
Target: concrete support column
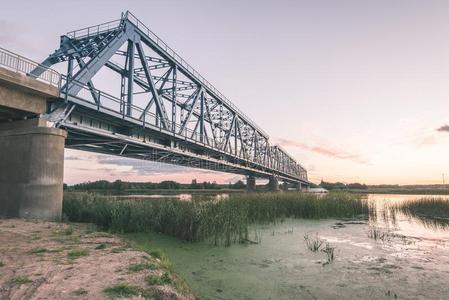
x=31 y=169
x=273 y=184
x=298 y=186
x=251 y=183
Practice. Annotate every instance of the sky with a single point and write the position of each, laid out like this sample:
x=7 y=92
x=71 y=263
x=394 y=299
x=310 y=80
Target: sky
x=356 y=91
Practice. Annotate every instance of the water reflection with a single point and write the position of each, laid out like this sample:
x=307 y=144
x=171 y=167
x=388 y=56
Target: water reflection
x=389 y=216
x=181 y=196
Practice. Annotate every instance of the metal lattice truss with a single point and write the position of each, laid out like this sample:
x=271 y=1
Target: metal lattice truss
x=160 y=92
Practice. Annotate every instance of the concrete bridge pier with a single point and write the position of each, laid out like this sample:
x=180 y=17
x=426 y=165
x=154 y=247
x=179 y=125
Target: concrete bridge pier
x=273 y=184
x=251 y=183
x=298 y=186
x=31 y=169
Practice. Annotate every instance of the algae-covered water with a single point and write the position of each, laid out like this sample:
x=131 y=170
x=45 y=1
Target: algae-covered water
x=410 y=261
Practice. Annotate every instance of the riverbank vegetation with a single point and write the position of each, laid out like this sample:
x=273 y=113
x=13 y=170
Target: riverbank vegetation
x=221 y=222
x=430 y=189
x=129 y=186
x=430 y=211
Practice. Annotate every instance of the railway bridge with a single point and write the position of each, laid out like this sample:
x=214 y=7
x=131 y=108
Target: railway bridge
x=124 y=92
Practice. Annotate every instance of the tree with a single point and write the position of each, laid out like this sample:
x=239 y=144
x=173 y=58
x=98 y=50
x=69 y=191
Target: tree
x=238 y=185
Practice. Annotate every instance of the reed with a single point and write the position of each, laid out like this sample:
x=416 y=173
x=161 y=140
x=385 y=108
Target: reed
x=377 y=234
x=313 y=243
x=329 y=253
x=433 y=212
x=222 y=222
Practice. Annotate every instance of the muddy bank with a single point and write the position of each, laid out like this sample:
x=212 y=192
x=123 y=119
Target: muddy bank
x=45 y=260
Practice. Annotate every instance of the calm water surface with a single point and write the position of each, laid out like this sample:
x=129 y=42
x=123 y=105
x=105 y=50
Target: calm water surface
x=411 y=262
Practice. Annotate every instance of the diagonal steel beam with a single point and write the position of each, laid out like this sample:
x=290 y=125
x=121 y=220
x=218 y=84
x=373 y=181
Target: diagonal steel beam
x=159 y=105
x=211 y=122
x=189 y=114
x=90 y=84
x=85 y=74
x=148 y=106
x=228 y=134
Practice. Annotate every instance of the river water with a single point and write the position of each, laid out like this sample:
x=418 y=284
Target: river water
x=410 y=261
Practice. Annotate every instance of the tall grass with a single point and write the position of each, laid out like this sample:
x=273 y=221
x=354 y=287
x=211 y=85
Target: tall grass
x=222 y=222
x=432 y=212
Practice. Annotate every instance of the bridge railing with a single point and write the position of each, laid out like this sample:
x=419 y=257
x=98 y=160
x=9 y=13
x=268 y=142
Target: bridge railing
x=20 y=64
x=94 y=30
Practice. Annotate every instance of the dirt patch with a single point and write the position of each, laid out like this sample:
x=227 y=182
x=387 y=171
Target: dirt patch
x=45 y=260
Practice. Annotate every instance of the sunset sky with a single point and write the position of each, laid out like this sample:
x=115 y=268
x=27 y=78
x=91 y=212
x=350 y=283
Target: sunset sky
x=356 y=91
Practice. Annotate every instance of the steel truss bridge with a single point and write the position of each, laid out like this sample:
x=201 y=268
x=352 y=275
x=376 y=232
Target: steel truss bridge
x=161 y=109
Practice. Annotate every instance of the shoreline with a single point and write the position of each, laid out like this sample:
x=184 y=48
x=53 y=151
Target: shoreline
x=50 y=260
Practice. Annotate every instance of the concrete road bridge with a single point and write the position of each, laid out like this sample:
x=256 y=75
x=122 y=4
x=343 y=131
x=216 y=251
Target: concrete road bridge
x=125 y=93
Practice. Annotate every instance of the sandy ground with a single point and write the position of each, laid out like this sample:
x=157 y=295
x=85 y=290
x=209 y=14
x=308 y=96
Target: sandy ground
x=38 y=260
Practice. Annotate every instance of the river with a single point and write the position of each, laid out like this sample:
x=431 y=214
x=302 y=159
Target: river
x=410 y=260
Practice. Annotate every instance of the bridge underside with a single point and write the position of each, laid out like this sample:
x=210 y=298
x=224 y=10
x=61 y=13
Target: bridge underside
x=106 y=132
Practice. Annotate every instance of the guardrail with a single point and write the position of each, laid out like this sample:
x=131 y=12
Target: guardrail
x=94 y=30
x=20 y=64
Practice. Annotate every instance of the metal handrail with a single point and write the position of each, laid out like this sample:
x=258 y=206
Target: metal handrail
x=94 y=30
x=20 y=64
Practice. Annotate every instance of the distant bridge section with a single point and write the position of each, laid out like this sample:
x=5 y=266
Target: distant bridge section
x=127 y=93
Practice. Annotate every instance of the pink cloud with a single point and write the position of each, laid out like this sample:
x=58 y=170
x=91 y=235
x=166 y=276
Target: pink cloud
x=324 y=150
x=444 y=128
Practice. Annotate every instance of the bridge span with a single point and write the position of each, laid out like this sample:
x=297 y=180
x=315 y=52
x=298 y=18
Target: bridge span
x=125 y=93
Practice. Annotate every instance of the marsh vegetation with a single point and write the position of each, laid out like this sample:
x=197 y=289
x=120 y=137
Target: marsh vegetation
x=220 y=222
x=430 y=211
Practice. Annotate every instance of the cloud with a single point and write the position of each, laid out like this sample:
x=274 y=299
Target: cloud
x=145 y=167
x=444 y=128
x=70 y=157
x=324 y=150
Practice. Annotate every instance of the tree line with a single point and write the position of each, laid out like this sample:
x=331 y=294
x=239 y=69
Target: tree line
x=163 y=185
x=342 y=186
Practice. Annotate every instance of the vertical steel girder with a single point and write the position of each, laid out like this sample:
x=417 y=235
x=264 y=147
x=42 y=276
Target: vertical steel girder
x=130 y=74
x=173 y=108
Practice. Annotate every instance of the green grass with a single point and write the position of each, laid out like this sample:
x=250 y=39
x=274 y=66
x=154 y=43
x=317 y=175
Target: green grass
x=19 y=280
x=73 y=254
x=122 y=290
x=221 y=222
x=119 y=249
x=157 y=253
x=432 y=212
x=141 y=266
x=159 y=280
